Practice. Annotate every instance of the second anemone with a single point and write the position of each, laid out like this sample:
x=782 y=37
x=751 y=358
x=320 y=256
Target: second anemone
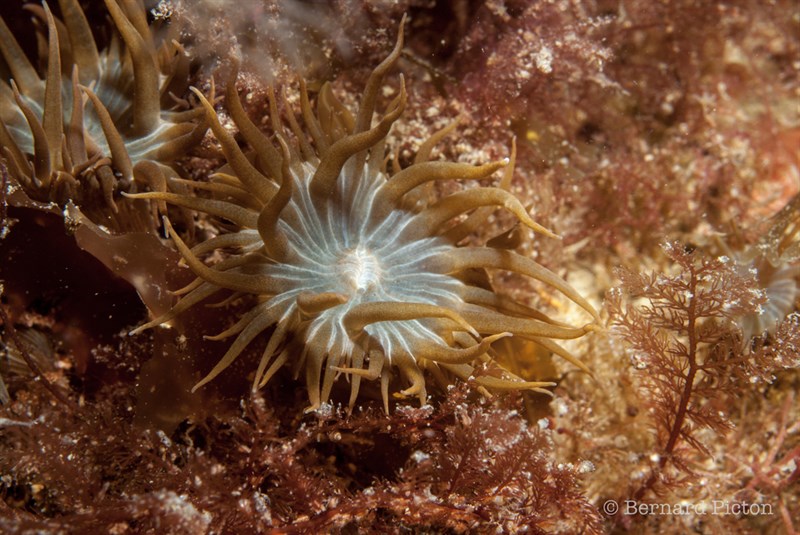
x=353 y=278
x=98 y=117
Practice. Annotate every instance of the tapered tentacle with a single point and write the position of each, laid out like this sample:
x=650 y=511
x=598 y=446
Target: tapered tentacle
x=386 y=376
x=227 y=301
x=84 y=50
x=457 y=203
x=488 y=322
x=265 y=152
x=334 y=358
x=107 y=180
x=41 y=151
x=366 y=110
x=22 y=72
x=418 y=197
x=15 y=159
x=316 y=354
x=495 y=383
x=76 y=145
x=182 y=137
x=256 y=326
x=465 y=373
x=368 y=313
x=222 y=190
x=284 y=325
x=478 y=218
x=311 y=305
x=305 y=147
x=275 y=241
x=223 y=265
x=374 y=82
x=53 y=116
x=282 y=359
x=320 y=139
x=391 y=193
x=323 y=182
x=449 y=355
x=253 y=284
x=356 y=360
x=373 y=371
x=239 y=240
x=406 y=363
x=424 y=152
x=239 y=325
x=260 y=185
x=340 y=115
x=138 y=17
x=119 y=154
x=484 y=257
x=501 y=303
x=229 y=180
x=146 y=100
x=561 y=352
x=202 y=292
x=226 y=210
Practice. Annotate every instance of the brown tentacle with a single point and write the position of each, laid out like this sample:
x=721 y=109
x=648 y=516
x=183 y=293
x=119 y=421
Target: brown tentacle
x=146 y=98
x=478 y=218
x=265 y=152
x=408 y=366
x=449 y=355
x=41 y=151
x=391 y=193
x=254 y=284
x=53 y=116
x=227 y=210
x=368 y=313
x=119 y=153
x=493 y=322
x=367 y=108
x=323 y=182
x=84 y=49
x=275 y=241
x=22 y=72
x=253 y=180
x=484 y=257
x=453 y=205
x=311 y=305
x=257 y=325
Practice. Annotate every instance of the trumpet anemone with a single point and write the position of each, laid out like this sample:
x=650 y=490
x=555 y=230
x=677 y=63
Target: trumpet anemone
x=355 y=276
x=96 y=119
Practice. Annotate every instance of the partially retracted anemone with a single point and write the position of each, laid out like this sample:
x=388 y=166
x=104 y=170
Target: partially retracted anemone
x=775 y=262
x=95 y=120
x=355 y=276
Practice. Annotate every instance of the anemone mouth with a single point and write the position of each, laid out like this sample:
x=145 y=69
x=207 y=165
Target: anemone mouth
x=95 y=121
x=351 y=280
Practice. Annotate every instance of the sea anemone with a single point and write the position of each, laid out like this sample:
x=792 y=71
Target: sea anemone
x=354 y=275
x=58 y=148
x=775 y=262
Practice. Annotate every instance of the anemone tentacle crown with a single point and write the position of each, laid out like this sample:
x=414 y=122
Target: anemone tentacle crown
x=97 y=118
x=353 y=278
